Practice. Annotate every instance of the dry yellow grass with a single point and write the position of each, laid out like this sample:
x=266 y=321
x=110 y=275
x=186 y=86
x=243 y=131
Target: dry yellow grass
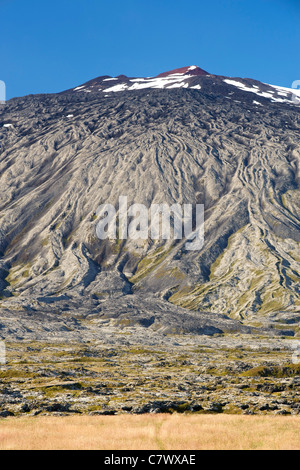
x=151 y=432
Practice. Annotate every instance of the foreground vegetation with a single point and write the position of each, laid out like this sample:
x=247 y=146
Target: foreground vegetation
x=151 y=432
x=180 y=377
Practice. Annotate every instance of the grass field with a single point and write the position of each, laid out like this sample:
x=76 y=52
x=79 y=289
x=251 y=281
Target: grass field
x=151 y=432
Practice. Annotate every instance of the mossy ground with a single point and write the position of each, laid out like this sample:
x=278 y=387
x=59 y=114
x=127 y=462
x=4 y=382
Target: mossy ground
x=98 y=379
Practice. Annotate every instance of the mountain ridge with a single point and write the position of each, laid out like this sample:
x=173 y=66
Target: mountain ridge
x=191 y=77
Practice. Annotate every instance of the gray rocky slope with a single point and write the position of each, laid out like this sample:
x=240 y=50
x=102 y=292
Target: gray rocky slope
x=234 y=149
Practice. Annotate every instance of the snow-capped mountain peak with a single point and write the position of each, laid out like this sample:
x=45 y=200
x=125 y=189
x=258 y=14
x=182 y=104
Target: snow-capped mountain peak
x=193 y=77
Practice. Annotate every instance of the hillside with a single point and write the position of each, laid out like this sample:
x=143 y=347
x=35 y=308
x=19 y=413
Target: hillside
x=232 y=148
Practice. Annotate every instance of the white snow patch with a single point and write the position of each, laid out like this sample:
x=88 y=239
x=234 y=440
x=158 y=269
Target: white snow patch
x=7 y=125
x=109 y=79
x=264 y=94
x=140 y=86
x=176 y=74
x=120 y=87
x=138 y=79
x=240 y=85
x=171 y=81
x=78 y=88
x=282 y=89
x=280 y=100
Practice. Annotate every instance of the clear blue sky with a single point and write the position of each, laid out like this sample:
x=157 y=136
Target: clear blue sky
x=49 y=46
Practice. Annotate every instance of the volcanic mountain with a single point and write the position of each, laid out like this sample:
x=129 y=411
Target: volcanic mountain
x=184 y=136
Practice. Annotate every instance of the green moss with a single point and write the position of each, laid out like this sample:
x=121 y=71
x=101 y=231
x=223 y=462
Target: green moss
x=273 y=300
x=181 y=294
x=149 y=263
x=99 y=294
x=15 y=373
x=45 y=242
x=290 y=370
x=57 y=225
x=257 y=278
x=88 y=359
x=174 y=273
x=182 y=407
x=214 y=266
x=138 y=351
x=116 y=248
